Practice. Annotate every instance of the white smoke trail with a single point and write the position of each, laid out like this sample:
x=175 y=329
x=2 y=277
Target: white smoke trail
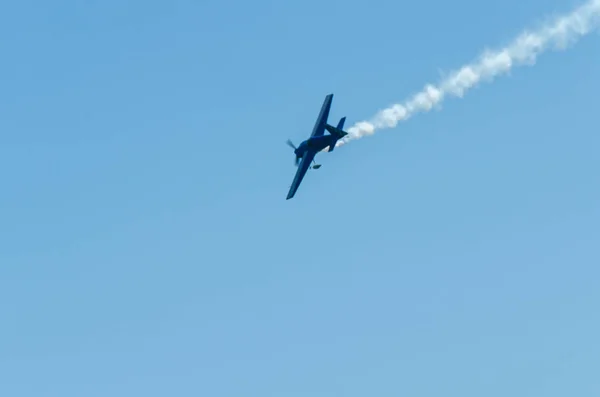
x=524 y=50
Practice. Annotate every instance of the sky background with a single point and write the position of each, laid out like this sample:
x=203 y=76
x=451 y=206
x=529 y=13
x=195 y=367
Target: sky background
x=146 y=246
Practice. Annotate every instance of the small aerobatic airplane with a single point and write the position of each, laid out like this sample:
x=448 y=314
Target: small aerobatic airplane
x=306 y=152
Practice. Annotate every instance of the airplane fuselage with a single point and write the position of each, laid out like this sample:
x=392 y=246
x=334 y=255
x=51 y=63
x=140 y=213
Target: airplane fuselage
x=314 y=144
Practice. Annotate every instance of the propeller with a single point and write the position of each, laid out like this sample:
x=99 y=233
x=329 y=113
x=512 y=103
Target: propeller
x=291 y=144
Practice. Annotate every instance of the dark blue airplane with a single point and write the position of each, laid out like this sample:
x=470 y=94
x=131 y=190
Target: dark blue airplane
x=318 y=141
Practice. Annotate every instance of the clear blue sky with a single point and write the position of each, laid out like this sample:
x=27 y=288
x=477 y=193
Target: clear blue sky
x=147 y=249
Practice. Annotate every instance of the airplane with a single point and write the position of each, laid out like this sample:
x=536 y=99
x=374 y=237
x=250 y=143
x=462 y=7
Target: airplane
x=318 y=141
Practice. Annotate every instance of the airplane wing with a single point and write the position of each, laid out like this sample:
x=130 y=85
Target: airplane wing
x=319 y=128
x=302 y=168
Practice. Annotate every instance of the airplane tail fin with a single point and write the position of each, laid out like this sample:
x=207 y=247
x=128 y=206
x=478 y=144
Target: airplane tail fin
x=338 y=132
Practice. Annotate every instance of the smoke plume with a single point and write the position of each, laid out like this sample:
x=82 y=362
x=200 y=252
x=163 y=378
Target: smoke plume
x=524 y=50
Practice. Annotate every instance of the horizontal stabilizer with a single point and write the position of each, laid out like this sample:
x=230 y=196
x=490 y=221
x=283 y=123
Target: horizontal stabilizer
x=337 y=132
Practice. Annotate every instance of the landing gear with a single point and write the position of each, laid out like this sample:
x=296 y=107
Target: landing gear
x=315 y=165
